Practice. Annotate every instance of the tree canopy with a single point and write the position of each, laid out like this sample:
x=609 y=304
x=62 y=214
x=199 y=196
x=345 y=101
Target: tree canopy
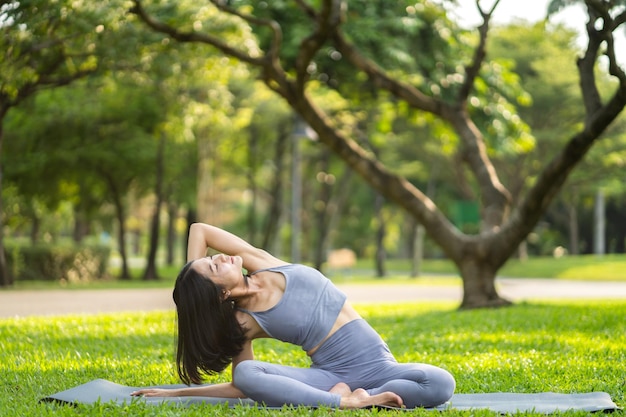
x=472 y=133
x=449 y=93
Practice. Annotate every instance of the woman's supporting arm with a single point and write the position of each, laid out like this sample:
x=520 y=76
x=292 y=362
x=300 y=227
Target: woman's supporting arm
x=224 y=390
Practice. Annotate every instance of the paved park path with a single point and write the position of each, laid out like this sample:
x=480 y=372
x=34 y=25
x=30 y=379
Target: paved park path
x=20 y=303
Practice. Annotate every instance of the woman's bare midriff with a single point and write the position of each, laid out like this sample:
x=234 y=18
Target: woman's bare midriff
x=346 y=315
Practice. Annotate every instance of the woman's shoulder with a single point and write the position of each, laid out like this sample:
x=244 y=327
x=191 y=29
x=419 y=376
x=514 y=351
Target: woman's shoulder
x=261 y=260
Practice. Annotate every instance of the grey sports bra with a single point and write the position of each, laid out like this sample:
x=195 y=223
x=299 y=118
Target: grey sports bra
x=307 y=310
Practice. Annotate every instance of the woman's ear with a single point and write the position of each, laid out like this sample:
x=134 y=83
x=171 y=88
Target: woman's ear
x=225 y=295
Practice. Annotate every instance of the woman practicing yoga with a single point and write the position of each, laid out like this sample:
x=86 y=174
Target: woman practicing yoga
x=221 y=310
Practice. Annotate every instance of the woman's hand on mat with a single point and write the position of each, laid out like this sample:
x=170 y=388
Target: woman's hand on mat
x=154 y=392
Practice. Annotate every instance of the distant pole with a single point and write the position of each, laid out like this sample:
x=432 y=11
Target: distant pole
x=599 y=224
x=296 y=198
x=300 y=131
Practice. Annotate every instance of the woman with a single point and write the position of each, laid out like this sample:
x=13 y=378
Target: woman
x=221 y=311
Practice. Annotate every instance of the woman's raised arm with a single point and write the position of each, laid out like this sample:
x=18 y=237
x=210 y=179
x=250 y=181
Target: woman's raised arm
x=203 y=236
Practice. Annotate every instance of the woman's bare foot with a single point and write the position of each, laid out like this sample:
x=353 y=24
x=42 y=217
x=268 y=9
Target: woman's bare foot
x=342 y=389
x=359 y=398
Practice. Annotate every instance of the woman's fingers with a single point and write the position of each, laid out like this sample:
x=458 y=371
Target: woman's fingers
x=150 y=393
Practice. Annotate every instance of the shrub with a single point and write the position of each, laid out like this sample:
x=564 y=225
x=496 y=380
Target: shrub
x=49 y=262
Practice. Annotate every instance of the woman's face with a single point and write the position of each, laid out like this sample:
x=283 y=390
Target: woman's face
x=224 y=270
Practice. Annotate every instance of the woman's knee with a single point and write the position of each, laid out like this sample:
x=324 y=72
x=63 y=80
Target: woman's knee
x=442 y=385
x=245 y=373
x=430 y=386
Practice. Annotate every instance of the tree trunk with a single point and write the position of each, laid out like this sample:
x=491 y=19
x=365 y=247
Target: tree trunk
x=380 y=237
x=419 y=232
x=322 y=210
x=121 y=236
x=574 y=232
x=171 y=234
x=418 y=250
x=121 y=242
x=151 y=273
x=192 y=217
x=334 y=197
x=207 y=193
x=276 y=193
x=81 y=226
x=479 y=288
x=251 y=173
x=34 y=228
x=6 y=280
x=599 y=224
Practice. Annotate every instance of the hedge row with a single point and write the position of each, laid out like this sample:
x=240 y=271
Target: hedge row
x=57 y=262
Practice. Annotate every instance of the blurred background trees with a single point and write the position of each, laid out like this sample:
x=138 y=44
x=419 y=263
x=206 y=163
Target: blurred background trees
x=152 y=134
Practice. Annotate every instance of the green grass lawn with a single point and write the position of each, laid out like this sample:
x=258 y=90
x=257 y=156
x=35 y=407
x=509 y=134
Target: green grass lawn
x=549 y=346
x=583 y=267
x=434 y=272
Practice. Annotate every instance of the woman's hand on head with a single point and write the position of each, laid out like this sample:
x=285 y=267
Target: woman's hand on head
x=204 y=236
x=154 y=392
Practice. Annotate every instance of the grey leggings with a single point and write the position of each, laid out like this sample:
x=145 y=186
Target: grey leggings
x=355 y=355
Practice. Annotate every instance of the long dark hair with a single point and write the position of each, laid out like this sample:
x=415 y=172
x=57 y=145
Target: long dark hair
x=209 y=334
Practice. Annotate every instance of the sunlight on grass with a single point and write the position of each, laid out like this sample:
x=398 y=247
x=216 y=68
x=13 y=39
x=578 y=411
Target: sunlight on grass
x=608 y=270
x=585 y=267
x=552 y=346
x=611 y=267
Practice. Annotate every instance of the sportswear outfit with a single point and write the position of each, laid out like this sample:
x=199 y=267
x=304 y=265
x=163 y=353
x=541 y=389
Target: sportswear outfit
x=355 y=354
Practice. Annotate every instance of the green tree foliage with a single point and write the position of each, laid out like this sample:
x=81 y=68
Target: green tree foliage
x=474 y=97
x=46 y=44
x=543 y=63
x=99 y=142
x=88 y=144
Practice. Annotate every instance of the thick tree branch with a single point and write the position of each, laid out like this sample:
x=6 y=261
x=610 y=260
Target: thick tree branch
x=556 y=172
x=614 y=67
x=471 y=71
x=306 y=8
x=610 y=26
x=586 y=66
x=493 y=194
x=45 y=80
x=194 y=36
x=380 y=78
x=598 y=118
x=272 y=72
x=327 y=22
x=392 y=186
x=598 y=10
x=277 y=34
x=549 y=183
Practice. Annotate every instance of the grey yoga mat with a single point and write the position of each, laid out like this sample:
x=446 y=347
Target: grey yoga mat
x=101 y=390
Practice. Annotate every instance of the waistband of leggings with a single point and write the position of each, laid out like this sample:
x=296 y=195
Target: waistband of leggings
x=352 y=334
